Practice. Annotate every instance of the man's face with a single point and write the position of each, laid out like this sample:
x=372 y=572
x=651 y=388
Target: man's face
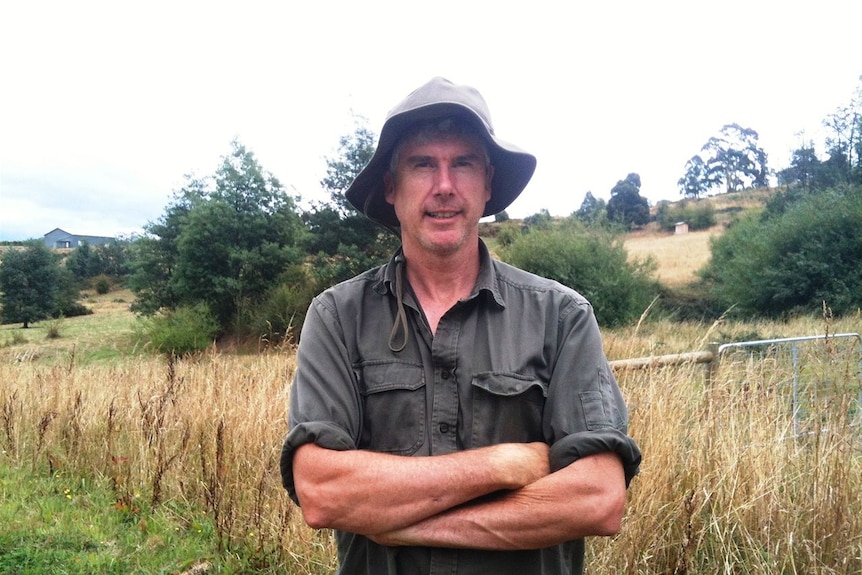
x=439 y=191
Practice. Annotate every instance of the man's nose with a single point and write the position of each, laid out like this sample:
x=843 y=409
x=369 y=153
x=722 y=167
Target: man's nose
x=444 y=180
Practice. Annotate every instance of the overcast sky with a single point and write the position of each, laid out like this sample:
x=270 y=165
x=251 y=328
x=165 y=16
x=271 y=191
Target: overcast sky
x=104 y=106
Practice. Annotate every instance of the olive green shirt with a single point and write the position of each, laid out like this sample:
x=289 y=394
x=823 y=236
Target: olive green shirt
x=519 y=360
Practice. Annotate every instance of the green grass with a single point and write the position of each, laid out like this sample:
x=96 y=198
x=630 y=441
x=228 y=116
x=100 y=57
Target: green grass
x=61 y=524
x=107 y=335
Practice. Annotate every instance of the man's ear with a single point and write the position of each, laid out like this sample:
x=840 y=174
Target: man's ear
x=389 y=187
x=489 y=178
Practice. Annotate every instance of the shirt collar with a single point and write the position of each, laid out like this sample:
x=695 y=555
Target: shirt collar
x=485 y=282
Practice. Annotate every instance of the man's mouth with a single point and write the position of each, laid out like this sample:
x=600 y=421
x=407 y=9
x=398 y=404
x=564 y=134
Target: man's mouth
x=442 y=215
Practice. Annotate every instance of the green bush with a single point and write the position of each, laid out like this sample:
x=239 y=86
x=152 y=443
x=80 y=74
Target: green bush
x=699 y=215
x=101 y=283
x=691 y=302
x=797 y=259
x=279 y=316
x=184 y=331
x=52 y=328
x=591 y=261
x=507 y=233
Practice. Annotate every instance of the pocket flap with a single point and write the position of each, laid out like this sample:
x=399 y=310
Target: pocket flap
x=506 y=384
x=389 y=376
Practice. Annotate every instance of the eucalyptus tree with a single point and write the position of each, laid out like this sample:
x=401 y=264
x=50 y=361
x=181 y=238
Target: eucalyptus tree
x=696 y=181
x=735 y=159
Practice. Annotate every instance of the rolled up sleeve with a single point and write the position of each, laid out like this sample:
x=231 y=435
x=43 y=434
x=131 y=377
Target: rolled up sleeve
x=587 y=413
x=324 y=402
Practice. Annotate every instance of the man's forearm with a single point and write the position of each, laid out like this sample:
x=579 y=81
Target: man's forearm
x=366 y=492
x=586 y=498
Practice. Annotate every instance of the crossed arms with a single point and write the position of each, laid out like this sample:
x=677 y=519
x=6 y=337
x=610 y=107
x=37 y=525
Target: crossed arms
x=497 y=497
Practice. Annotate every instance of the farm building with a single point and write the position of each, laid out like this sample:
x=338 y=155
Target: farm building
x=58 y=238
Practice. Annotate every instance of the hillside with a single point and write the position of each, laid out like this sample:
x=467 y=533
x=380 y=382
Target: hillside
x=678 y=257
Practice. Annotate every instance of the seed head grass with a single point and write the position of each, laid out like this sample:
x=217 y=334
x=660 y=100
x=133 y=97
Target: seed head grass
x=735 y=478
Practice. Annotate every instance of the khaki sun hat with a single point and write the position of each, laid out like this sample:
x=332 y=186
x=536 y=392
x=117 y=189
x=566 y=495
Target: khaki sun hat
x=439 y=99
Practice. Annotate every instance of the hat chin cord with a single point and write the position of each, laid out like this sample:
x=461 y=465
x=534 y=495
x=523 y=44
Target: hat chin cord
x=401 y=317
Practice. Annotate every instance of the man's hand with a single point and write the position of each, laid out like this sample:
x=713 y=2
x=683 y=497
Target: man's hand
x=519 y=464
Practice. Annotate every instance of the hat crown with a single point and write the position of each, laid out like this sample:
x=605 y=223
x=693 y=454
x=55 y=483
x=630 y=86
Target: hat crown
x=441 y=91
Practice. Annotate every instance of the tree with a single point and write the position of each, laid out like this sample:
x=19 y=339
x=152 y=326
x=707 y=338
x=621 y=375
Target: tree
x=342 y=241
x=541 y=220
x=236 y=243
x=735 y=159
x=154 y=256
x=592 y=209
x=626 y=205
x=28 y=283
x=223 y=244
x=696 y=181
x=88 y=261
x=843 y=145
x=845 y=140
x=805 y=169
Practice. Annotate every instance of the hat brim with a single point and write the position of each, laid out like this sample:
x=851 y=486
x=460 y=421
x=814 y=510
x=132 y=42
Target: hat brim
x=513 y=167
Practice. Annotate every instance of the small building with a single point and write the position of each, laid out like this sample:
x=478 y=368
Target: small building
x=680 y=228
x=59 y=239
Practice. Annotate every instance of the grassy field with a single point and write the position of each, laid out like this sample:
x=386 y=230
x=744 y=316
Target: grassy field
x=114 y=461
x=108 y=334
x=678 y=257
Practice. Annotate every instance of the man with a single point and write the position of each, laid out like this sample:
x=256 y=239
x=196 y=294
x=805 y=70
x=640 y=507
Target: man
x=451 y=413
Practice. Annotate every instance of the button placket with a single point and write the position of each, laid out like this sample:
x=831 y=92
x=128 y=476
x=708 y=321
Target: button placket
x=444 y=353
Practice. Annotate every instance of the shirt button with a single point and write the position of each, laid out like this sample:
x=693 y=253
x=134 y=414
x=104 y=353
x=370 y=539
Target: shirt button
x=444 y=428
x=444 y=374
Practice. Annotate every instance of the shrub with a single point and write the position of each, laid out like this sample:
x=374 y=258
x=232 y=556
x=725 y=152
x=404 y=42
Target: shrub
x=698 y=215
x=279 y=316
x=691 y=302
x=796 y=259
x=53 y=326
x=507 y=233
x=184 y=331
x=101 y=283
x=591 y=261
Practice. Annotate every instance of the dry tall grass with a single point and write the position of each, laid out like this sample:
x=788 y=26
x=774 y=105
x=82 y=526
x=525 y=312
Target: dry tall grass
x=678 y=257
x=723 y=488
x=201 y=434
x=732 y=482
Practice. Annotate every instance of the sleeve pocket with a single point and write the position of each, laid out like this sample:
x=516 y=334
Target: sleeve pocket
x=593 y=405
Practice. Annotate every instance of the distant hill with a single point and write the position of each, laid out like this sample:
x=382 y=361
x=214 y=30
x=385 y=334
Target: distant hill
x=678 y=257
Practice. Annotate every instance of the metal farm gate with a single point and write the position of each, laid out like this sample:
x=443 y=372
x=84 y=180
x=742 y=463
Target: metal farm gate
x=813 y=374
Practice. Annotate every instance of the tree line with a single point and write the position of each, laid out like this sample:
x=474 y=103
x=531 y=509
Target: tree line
x=233 y=254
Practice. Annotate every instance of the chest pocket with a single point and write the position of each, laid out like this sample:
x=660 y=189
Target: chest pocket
x=507 y=408
x=394 y=407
